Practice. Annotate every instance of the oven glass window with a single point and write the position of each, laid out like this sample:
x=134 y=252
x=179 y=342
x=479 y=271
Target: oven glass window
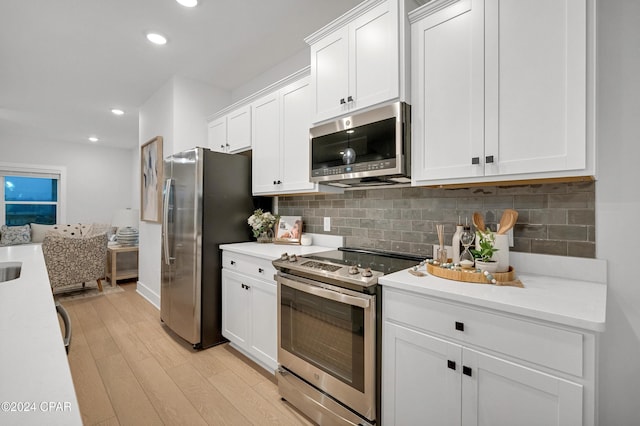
x=325 y=333
x=371 y=142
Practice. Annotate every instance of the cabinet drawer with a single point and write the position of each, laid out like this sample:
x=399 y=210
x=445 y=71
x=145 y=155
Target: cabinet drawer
x=551 y=347
x=252 y=266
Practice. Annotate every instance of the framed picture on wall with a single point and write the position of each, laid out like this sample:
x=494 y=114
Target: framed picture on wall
x=151 y=180
x=288 y=230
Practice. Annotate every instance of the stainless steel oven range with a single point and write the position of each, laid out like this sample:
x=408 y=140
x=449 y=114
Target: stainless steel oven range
x=329 y=312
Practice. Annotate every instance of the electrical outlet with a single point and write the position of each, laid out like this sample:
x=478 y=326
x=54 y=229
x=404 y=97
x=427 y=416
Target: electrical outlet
x=327 y=224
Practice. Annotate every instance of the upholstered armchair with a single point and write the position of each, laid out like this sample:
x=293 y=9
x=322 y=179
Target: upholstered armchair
x=72 y=260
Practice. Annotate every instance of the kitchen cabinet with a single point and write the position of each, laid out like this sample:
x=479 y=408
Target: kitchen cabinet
x=280 y=127
x=249 y=307
x=457 y=365
x=231 y=132
x=358 y=60
x=502 y=90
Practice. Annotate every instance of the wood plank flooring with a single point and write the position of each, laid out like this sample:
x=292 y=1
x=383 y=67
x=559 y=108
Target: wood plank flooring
x=129 y=369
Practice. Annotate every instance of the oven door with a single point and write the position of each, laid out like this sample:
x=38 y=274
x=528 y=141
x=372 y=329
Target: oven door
x=326 y=336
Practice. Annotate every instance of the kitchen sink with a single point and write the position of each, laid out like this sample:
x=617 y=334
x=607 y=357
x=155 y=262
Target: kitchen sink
x=10 y=271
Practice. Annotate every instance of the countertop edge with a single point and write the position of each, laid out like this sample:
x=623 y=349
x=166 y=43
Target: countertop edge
x=594 y=292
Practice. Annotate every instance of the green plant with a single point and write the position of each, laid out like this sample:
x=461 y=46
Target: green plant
x=486 y=248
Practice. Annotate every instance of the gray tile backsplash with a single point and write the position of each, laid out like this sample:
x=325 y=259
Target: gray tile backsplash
x=555 y=218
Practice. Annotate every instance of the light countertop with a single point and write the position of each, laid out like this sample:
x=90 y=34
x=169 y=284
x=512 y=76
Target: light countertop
x=272 y=251
x=560 y=299
x=35 y=380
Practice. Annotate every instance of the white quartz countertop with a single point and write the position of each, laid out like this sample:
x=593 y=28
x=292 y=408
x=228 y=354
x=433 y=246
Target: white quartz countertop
x=271 y=251
x=566 y=301
x=35 y=381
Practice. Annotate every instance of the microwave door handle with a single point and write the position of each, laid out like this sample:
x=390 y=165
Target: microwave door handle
x=328 y=294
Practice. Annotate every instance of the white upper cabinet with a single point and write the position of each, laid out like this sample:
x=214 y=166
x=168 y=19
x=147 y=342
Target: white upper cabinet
x=281 y=121
x=358 y=60
x=231 y=132
x=501 y=90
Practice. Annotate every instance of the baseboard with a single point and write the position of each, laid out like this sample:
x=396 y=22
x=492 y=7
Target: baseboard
x=151 y=296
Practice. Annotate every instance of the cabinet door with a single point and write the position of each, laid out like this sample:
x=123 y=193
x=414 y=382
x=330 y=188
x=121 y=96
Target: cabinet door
x=217 y=134
x=374 y=57
x=329 y=71
x=448 y=92
x=419 y=386
x=266 y=144
x=264 y=322
x=501 y=393
x=239 y=129
x=536 y=85
x=295 y=101
x=235 y=309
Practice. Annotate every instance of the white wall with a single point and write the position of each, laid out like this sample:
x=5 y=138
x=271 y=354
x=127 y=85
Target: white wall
x=177 y=111
x=296 y=62
x=155 y=119
x=618 y=206
x=98 y=177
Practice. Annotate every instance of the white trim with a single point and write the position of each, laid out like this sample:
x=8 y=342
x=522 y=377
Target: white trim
x=150 y=295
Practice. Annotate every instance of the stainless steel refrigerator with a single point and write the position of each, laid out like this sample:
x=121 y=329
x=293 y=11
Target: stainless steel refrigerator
x=206 y=202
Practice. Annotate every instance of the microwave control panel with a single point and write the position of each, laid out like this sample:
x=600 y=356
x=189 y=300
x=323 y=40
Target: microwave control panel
x=355 y=168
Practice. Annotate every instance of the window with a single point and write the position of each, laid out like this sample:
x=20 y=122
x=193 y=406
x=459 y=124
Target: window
x=29 y=196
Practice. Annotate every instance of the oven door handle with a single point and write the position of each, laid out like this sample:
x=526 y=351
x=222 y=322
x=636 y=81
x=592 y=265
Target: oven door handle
x=327 y=294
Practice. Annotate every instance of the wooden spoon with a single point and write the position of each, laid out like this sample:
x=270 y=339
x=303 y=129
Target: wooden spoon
x=478 y=221
x=507 y=221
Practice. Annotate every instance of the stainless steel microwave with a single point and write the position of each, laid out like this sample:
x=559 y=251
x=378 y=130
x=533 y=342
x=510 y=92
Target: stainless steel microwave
x=366 y=149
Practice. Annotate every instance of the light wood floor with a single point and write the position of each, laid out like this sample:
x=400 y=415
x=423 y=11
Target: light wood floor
x=129 y=369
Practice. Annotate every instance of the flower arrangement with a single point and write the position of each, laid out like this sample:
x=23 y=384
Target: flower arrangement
x=486 y=247
x=261 y=222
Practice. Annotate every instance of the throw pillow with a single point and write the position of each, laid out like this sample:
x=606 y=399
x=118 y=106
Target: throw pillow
x=12 y=235
x=73 y=229
x=38 y=232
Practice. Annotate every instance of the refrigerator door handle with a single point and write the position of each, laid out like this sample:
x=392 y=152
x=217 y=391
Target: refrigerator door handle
x=165 y=221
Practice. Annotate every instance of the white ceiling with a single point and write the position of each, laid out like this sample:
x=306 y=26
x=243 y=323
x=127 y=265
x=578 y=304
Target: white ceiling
x=65 y=63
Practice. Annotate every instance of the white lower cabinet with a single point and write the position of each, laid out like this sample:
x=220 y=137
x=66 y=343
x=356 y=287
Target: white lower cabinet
x=249 y=308
x=441 y=378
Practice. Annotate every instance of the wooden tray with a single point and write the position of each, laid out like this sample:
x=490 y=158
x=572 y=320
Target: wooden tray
x=502 y=278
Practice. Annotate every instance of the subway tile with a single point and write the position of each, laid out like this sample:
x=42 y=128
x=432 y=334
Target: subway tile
x=591 y=234
x=558 y=248
x=400 y=247
x=536 y=201
x=392 y=235
x=576 y=200
x=376 y=204
x=567 y=232
x=530 y=231
x=375 y=234
x=425 y=250
x=547 y=216
x=403 y=203
x=522 y=245
x=498 y=201
x=393 y=214
x=470 y=203
x=413 y=237
x=402 y=225
x=337 y=204
x=411 y=214
x=581 y=217
x=581 y=249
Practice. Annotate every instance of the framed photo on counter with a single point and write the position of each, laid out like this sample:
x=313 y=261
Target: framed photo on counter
x=288 y=230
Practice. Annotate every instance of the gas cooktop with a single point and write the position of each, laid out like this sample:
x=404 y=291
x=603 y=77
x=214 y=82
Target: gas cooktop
x=346 y=266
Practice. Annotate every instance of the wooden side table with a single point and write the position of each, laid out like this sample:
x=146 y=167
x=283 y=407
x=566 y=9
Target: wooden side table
x=114 y=274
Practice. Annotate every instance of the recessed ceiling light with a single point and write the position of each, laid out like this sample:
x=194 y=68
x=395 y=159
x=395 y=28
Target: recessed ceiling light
x=93 y=139
x=188 y=3
x=156 y=38
x=117 y=111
